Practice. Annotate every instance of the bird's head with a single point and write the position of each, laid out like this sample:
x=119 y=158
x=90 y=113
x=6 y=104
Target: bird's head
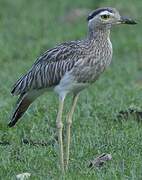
x=106 y=17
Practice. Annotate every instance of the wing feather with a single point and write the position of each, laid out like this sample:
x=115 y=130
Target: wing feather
x=49 y=68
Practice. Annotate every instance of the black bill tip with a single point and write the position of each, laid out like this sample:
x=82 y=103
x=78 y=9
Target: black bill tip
x=126 y=20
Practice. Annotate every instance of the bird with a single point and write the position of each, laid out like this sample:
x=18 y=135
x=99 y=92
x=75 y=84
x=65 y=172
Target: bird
x=67 y=69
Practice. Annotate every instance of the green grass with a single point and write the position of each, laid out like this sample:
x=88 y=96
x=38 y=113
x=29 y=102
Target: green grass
x=27 y=28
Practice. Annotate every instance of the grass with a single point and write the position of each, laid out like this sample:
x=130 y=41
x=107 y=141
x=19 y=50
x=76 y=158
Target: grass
x=27 y=28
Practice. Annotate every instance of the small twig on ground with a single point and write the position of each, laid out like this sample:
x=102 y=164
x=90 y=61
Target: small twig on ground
x=125 y=114
x=37 y=143
x=4 y=143
x=100 y=160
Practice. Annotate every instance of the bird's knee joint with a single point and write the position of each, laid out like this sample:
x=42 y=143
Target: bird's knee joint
x=69 y=122
x=59 y=125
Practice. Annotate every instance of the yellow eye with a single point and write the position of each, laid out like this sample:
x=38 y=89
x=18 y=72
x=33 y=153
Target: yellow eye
x=105 y=16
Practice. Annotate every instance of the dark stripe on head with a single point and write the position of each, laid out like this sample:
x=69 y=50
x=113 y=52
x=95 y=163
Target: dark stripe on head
x=98 y=11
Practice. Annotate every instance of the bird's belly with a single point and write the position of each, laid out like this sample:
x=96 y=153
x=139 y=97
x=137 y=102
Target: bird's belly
x=69 y=84
x=80 y=77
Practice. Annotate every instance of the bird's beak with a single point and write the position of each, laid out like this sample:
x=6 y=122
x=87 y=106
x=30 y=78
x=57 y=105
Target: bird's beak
x=126 y=20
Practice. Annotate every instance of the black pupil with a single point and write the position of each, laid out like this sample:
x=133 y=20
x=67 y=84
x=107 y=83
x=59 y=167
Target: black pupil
x=105 y=16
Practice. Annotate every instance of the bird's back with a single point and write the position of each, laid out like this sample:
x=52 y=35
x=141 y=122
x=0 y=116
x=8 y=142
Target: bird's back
x=50 y=67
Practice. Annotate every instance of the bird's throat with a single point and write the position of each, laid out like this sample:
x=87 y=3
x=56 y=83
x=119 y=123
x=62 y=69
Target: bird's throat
x=98 y=34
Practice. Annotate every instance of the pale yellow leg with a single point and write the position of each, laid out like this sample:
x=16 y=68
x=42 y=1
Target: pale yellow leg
x=59 y=130
x=69 y=122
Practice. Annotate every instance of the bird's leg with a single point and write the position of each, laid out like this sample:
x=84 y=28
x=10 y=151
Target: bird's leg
x=59 y=129
x=69 y=122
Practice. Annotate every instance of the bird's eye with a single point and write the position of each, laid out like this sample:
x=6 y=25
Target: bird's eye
x=105 y=16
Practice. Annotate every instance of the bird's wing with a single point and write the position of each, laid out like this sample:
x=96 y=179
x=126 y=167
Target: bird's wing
x=49 y=68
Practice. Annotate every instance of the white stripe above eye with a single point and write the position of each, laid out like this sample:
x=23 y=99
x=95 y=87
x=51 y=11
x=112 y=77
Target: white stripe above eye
x=106 y=13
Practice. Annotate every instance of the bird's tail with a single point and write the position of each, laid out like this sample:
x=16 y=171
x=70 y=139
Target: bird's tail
x=22 y=105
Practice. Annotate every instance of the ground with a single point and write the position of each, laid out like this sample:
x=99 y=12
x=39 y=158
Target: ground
x=27 y=28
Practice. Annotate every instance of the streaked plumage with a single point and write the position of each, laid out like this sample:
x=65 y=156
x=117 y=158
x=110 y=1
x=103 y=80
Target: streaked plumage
x=69 y=67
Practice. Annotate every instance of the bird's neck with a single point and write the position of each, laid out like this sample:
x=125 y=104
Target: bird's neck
x=98 y=34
